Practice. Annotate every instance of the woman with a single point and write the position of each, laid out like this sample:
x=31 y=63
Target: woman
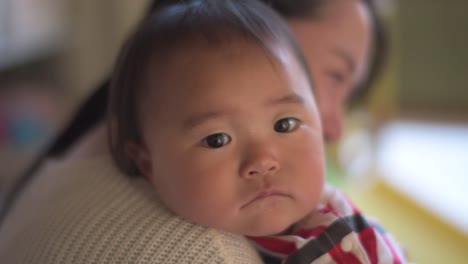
x=342 y=40
x=347 y=57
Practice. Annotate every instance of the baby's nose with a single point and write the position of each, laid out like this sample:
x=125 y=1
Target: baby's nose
x=260 y=163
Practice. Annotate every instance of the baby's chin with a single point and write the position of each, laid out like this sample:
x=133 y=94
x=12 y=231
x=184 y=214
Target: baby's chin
x=263 y=224
x=269 y=231
x=256 y=228
x=256 y=222
x=265 y=228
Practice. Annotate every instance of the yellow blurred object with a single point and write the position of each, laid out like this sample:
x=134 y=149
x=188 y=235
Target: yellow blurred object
x=425 y=238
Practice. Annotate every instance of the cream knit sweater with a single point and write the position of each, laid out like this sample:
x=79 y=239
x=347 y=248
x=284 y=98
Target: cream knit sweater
x=88 y=212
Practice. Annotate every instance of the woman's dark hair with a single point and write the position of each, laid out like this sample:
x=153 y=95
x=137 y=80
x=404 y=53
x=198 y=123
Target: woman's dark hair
x=311 y=9
x=213 y=24
x=378 y=57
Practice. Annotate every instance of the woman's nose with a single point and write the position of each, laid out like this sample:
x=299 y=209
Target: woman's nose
x=332 y=126
x=259 y=162
x=332 y=131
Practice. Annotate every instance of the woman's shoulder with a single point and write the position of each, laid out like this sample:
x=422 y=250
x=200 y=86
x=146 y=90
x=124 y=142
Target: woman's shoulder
x=90 y=212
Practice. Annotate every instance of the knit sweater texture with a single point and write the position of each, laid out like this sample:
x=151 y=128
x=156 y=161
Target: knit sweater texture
x=88 y=212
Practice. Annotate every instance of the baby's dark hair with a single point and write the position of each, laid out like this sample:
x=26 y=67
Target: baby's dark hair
x=210 y=23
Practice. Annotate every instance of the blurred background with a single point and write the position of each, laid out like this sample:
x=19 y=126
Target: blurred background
x=403 y=160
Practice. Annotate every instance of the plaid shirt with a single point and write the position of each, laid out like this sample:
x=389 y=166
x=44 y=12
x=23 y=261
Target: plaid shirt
x=336 y=232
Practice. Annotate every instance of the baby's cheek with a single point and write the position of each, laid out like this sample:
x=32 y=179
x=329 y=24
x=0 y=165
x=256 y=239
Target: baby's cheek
x=201 y=194
x=188 y=202
x=308 y=151
x=311 y=169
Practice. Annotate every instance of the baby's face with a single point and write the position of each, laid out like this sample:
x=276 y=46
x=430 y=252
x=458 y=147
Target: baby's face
x=233 y=140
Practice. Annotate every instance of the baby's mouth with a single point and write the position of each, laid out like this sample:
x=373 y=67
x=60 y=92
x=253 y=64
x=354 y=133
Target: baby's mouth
x=266 y=194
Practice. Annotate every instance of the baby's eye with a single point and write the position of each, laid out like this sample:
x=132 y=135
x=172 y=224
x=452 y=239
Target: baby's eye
x=217 y=140
x=286 y=125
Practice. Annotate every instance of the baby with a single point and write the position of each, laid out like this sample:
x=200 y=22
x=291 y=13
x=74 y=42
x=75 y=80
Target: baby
x=212 y=102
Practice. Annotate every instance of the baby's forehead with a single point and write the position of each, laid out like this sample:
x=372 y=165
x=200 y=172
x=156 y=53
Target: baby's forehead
x=239 y=80
x=187 y=69
x=183 y=58
x=193 y=60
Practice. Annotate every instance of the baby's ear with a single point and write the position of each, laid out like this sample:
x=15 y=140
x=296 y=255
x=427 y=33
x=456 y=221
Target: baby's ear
x=141 y=158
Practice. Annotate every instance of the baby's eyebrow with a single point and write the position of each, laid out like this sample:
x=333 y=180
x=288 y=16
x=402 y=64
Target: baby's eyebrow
x=199 y=118
x=291 y=98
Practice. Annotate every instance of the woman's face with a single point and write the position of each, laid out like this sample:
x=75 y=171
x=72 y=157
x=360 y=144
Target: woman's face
x=337 y=47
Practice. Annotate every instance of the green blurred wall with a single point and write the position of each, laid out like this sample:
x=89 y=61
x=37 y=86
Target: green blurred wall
x=433 y=64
